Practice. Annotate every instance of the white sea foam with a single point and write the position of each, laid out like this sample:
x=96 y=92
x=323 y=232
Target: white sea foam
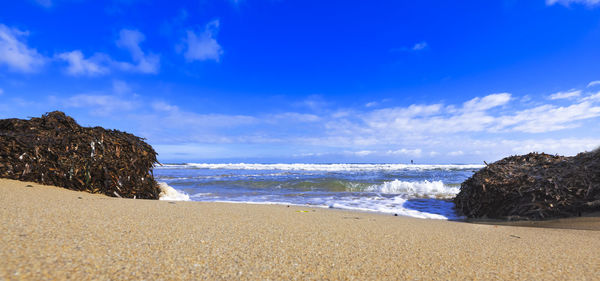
x=169 y=193
x=320 y=167
x=392 y=205
x=419 y=189
x=366 y=206
x=201 y=195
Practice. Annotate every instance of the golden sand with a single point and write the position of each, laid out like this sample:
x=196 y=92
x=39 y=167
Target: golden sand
x=53 y=233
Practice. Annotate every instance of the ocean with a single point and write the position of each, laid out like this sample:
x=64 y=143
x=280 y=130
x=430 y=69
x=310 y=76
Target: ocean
x=421 y=191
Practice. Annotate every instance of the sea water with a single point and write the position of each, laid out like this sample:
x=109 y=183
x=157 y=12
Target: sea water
x=421 y=191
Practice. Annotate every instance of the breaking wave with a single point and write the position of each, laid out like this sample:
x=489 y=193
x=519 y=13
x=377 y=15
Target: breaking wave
x=420 y=189
x=169 y=193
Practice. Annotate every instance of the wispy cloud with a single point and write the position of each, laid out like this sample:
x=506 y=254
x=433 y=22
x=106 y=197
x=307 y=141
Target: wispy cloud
x=295 y=117
x=14 y=52
x=173 y=116
x=592 y=97
x=565 y=95
x=362 y=152
x=569 y=2
x=408 y=152
x=313 y=102
x=202 y=45
x=78 y=65
x=456 y=153
x=593 y=83
x=102 y=64
x=548 y=118
x=487 y=102
x=100 y=104
x=130 y=39
x=420 y=46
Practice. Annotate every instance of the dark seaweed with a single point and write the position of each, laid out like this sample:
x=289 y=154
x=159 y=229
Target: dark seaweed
x=533 y=186
x=55 y=150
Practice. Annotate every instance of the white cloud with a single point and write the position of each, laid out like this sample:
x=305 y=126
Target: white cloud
x=564 y=146
x=432 y=125
x=173 y=116
x=163 y=106
x=419 y=46
x=456 y=153
x=593 y=97
x=102 y=64
x=414 y=48
x=569 y=2
x=203 y=45
x=363 y=153
x=593 y=83
x=295 y=117
x=130 y=40
x=409 y=152
x=548 y=118
x=100 y=104
x=487 y=102
x=78 y=65
x=416 y=120
x=371 y=104
x=565 y=95
x=15 y=53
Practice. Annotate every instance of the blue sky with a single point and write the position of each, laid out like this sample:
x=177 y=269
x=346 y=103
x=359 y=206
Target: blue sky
x=313 y=81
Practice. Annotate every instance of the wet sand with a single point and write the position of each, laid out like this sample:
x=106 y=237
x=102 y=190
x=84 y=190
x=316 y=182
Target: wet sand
x=589 y=221
x=53 y=233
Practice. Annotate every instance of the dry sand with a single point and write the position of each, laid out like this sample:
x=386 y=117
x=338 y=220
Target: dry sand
x=53 y=233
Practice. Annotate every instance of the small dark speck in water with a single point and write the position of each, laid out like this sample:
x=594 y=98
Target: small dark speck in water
x=395 y=215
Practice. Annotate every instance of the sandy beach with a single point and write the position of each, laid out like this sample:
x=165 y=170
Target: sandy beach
x=53 y=233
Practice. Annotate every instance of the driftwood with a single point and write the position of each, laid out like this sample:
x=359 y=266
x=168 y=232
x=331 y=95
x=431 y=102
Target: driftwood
x=533 y=186
x=55 y=150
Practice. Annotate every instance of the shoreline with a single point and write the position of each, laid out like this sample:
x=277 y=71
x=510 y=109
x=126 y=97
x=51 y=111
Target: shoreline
x=54 y=233
x=587 y=221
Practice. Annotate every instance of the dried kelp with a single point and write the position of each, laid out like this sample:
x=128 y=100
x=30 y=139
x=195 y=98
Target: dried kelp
x=533 y=186
x=55 y=150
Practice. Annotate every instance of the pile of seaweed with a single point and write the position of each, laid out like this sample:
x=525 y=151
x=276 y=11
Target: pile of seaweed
x=55 y=150
x=533 y=186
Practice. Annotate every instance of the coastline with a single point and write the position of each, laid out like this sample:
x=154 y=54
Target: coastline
x=588 y=221
x=54 y=233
